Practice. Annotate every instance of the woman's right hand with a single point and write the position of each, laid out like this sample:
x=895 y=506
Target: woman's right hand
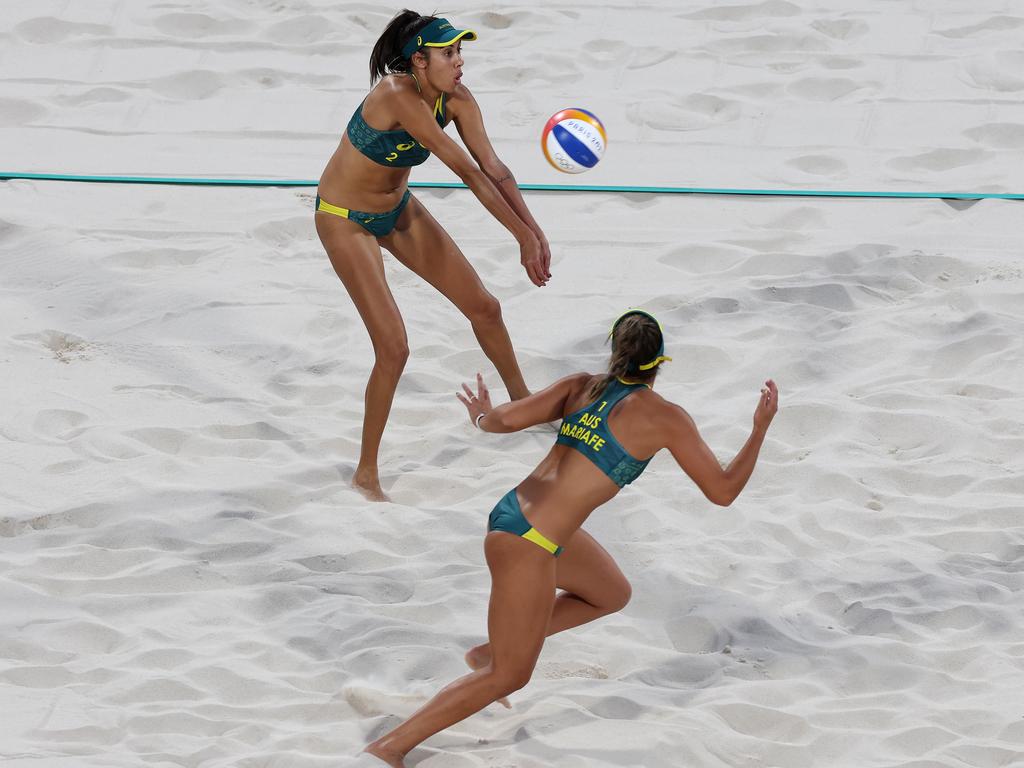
x=478 y=404
x=531 y=256
x=767 y=406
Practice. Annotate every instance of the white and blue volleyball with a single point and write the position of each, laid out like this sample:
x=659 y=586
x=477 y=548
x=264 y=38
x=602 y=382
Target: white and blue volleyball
x=573 y=140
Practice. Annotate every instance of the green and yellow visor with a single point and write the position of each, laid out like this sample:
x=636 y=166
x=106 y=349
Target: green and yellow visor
x=660 y=357
x=437 y=34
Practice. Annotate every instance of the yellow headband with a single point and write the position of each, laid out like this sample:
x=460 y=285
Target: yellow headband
x=661 y=357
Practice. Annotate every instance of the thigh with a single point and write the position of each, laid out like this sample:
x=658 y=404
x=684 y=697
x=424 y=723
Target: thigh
x=587 y=570
x=357 y=260
x=421 y=244
x=522 y=595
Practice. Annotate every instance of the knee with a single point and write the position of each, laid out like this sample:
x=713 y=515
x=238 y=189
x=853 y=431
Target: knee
x=619 y=595
x=392 y=354
x=486 y=310
x=511 y=680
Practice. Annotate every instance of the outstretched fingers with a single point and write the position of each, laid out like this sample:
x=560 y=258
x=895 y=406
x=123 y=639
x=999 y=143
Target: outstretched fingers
x=478 y=402
x=481 y=391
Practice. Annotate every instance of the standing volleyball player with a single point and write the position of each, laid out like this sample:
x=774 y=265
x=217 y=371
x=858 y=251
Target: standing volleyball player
x=363 y=204
x=612 y=425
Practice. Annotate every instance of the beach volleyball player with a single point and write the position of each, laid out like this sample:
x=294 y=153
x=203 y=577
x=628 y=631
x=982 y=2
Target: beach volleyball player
x=364 y=203
x=612 y=425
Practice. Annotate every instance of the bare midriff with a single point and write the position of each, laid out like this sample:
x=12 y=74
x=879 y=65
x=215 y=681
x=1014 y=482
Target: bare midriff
x=352 y=180
x=559 y=495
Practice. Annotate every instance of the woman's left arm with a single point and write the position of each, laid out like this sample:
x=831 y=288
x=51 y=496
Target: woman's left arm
x=470 y=124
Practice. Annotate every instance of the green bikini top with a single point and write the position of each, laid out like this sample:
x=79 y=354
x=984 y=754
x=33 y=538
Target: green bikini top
x=587 y=431
x=396 y=149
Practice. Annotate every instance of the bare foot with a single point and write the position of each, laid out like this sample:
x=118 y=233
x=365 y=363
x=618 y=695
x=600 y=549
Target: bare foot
x=368 y=484
x=478 y=658
x=392 y=759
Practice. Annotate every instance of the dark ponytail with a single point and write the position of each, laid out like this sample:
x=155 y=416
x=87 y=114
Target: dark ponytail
x=387 y=53
x=636 y=340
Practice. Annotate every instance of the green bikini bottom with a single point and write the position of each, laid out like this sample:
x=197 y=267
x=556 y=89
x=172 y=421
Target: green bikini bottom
x=377 y=224
x=508 y=516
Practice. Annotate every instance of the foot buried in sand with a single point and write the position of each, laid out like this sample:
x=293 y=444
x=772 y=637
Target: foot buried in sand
x=478 y=658
x=388 y=757
x=368 y=484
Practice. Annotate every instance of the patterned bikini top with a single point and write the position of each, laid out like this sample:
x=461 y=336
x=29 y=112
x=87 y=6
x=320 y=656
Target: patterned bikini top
x=587 y=431
x=396 y=149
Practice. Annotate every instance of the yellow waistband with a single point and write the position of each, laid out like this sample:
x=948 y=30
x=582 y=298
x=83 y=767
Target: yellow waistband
x=540 y=539
x=337 y=210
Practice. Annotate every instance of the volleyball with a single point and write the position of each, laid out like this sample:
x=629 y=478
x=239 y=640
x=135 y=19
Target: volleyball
x=573 y=140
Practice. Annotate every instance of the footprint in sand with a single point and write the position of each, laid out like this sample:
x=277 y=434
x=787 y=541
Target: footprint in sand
x=695 y=634
x=20 y=112
x=93 y=96
x=370 y=702
x=974 y=31
x=938 y=160
x=492 y=20
x=780 y=43
x=827 y=295
x=301 y=30
x=46 y=29
x=999 y=71
x=824 y=89
x=65 y=347
x=155 y=258
x=841 y=29
x=9 y=231
x=556 y=70
x=602 y=52
x=684 y=114
x=281 y=233
x=820 y=165
x=772 y=8
x=617 y=708
x=58 y=423
x=764 y=722
x=702 y=259
x=190 y=26
x=194 y=85
x=258 y=430
x=998 y=135
x=163 y=439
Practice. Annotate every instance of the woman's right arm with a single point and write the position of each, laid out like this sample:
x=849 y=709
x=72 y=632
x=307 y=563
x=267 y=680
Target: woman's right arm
x=539 y=408
x=721 y=485
x=416 y=118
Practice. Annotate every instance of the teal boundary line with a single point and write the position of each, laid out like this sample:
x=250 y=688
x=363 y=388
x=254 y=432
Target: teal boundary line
x=200 y=182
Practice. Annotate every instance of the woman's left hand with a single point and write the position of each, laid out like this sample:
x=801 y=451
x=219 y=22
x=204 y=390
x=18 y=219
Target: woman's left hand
x=477 y=404
x=545 y=255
